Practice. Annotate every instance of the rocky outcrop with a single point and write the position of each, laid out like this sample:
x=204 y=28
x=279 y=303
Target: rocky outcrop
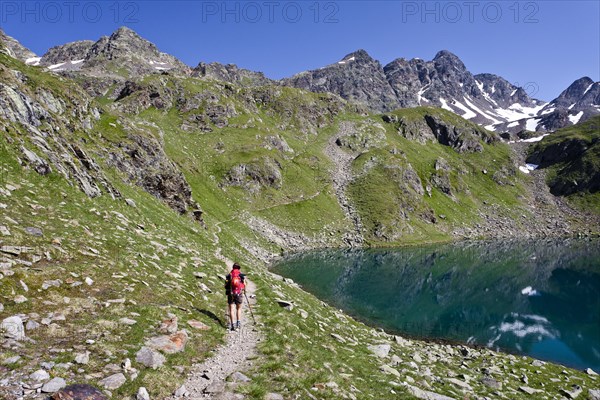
x=73 y=51
x=231 y=73
x=144 y=163
x=15 y=49
x=265 y=172
x=357 y=77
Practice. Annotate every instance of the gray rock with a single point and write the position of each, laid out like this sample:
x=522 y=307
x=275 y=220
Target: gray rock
x=12 y=328
x=113 y=382
x=338 y=338
x=215 y=387
x=150 y=358
x=32 y=325
x=594 y=394
x=389 y=370
x=238 y=377
x=425 y=395
x=82 y=358
x=39 y=375
x=19 y=299
x=528 y=390
x=380 y=350
x=142 y=394
x=34 y=231
x=128 y=321
x=54 y=385
x=181 y=391
x=11 y=360
x=491 y=382
x=130 y=203
x=52 y=283
x=573 y=393
x=273 y=396
x=588 y=371
x=461 y=384
x=288 y=305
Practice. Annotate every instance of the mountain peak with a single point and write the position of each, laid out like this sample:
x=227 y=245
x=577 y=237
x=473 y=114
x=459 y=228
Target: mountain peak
x=14 y=48
x=358 y=55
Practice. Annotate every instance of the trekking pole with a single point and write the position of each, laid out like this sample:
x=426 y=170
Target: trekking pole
x=250 y=308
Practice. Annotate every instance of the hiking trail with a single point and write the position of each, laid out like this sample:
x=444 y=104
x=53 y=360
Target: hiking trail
x=208 y=379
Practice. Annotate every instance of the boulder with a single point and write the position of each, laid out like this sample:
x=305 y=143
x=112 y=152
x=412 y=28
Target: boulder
x=54 y=385
x=150 y=358
x=79 y=392
x=169 y=344
x=114 y=381
x=380 y=350
x=12 y=328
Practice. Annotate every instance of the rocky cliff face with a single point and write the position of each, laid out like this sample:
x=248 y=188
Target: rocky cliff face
x=445 y=82
x=231 y=73
x=53 y=122
x=356 y=77
x=15 y=49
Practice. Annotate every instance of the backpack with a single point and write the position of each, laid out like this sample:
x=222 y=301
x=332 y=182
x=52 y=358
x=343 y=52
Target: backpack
x=236 y=283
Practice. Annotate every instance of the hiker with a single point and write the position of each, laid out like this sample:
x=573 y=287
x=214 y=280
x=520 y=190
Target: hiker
x=234 y=288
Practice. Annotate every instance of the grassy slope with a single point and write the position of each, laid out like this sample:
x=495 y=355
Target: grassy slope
x=298 y=352
x=583 y=169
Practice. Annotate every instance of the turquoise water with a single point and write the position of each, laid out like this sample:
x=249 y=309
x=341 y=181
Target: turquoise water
x=538 y=298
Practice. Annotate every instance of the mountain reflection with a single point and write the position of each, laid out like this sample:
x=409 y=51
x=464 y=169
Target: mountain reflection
x=539 y=298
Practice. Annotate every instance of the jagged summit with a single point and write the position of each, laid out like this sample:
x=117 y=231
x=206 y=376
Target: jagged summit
x=14 y=48
x=358 y=55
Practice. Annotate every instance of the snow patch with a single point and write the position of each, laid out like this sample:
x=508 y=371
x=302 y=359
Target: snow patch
x=588 y=89
x=527 y=169
x=474 y=107
x=513 y=92
x=445 y=105
x=513 y=124
x=575 y=118
x=33 y=61
x=55 y=66
x=571 y=106
x=77 y=61
x=532 y=124
x=468 y=112
x=534 y=139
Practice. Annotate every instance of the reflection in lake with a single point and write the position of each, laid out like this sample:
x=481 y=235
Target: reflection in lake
x=539 y=298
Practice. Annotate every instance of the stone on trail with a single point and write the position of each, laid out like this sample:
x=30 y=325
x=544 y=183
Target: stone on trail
x=79 y=392
x=215 y=387
x=11 y=360
x=238 y=377
x=169 y=344
x=380 y=350
x=142 y=394
x=53 y=283
x=12 y=328
x=54 y=385
x=150 y=358
x=181 y=392
x=114 y=381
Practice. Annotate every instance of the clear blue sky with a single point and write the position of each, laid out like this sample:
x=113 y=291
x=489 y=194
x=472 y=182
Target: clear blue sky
x=545 y=45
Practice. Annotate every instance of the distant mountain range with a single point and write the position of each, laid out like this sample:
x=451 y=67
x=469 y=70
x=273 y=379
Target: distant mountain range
x=444 y=82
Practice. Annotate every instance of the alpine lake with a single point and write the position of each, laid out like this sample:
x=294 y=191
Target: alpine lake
x=537 y=298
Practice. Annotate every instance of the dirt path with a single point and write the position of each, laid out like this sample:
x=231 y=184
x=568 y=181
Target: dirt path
x=209 y=379
x=341 y=177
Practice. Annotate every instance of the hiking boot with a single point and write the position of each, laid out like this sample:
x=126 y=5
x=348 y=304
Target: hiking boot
x=238 y=325
x=232 y=327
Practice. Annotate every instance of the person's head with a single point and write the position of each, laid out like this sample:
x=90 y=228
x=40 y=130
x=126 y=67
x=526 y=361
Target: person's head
x=236 y=266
